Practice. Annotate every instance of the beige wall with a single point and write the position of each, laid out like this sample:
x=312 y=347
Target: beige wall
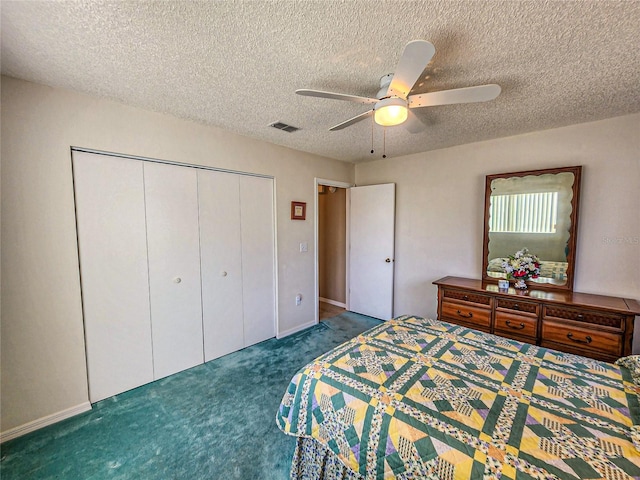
x=332 y=235
x=43 y=359
x=439 y=207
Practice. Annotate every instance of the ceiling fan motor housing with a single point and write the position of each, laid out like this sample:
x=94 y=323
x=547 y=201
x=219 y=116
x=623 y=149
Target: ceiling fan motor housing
x=385 y=81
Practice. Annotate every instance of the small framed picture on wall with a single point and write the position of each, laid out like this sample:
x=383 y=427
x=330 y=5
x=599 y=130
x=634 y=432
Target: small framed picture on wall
x=298 y=210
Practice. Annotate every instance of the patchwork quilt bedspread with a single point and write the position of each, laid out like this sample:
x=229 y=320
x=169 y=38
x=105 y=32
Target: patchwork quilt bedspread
x=417 y=398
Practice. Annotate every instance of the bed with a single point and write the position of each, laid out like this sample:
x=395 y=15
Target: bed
x=548 y=269
x=415 y=398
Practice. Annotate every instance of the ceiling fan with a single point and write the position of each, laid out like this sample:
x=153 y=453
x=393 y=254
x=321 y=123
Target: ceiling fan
x=393 y=103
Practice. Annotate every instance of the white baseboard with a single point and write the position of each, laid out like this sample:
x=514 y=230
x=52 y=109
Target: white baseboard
x=44 y=421
x=333 y=302
x=293 y=330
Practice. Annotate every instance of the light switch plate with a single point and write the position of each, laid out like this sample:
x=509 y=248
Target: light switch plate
x=304 y=247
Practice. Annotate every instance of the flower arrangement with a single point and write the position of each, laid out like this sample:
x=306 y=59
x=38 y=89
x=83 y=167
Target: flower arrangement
x=522 y=266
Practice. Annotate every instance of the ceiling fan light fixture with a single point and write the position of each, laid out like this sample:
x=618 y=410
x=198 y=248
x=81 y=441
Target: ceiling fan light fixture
x=391 y=111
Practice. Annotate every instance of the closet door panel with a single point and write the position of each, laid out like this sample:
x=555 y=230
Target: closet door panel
x=174 y=267
x=221 y=263
x=109 y=193
x=256 y=204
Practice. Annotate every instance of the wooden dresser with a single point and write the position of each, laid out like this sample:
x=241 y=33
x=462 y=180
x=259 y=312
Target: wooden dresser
x=595 y=326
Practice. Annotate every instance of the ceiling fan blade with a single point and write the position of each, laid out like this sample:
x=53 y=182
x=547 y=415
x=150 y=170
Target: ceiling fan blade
x=480 y=93
x=335 y=96
x=414 y=124
x=351 y=121
x=416 y=56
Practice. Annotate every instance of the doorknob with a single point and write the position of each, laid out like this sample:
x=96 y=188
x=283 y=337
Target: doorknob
x=388 y=260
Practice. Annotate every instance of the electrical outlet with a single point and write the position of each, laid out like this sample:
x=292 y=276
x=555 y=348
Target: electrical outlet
x=298 y=299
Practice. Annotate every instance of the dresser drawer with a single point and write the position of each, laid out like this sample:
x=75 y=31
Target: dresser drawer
x=468 y=297
x=474 y=316
x=609 y=320
x=523 y=307
x=579 y=337
x=513 y=323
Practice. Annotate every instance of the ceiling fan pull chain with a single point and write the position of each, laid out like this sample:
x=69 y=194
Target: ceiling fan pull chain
x=384 y=142
x=372 y=124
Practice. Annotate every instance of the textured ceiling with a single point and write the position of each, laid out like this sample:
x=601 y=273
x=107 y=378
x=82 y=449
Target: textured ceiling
x=237 y=64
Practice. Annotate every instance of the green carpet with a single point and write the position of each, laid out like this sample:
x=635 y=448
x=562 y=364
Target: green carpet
x=213 y=421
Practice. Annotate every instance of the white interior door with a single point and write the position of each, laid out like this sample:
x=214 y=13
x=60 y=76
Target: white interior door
x=372 y=233
x=258 y=263
x=112 y=240
x=174 y=267
x=221 y=263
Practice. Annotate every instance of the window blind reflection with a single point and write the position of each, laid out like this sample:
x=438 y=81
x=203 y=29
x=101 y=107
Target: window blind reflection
x=524 y=213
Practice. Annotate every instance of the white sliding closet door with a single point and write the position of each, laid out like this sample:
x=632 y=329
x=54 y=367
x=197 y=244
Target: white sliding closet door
x=112 y=243
x=256 y=217
x=174 y=267
x=221 y=263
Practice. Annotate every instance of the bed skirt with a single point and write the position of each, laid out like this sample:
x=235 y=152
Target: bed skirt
x=314 y=461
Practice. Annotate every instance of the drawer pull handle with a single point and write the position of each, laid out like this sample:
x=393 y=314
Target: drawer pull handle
x=587 y=339
x=465 y=298
x=469 y=315
x=516 y=307
x=515 y=327
x=580 y=317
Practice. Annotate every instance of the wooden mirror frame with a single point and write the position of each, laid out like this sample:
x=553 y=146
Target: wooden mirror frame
x=573 y=229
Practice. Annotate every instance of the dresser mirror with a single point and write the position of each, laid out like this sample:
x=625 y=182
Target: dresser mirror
x=536 y=210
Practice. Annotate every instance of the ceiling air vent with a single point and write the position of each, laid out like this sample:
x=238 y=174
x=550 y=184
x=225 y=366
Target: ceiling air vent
x=284 y=126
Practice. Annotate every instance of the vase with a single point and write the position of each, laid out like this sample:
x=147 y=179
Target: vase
x=521 y=284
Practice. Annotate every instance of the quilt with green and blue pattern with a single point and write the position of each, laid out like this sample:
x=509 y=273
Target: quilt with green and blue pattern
x=419 y=398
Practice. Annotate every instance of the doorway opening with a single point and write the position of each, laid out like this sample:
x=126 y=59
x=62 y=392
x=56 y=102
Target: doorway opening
x=331 y=252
